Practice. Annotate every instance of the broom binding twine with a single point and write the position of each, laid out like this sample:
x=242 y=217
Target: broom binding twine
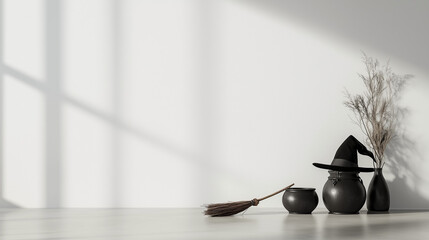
x=255 y=202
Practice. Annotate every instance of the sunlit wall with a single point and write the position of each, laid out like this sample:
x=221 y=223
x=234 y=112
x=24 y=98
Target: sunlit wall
x=128 y=103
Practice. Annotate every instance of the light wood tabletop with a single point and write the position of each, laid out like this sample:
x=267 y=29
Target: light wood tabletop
x=174 y=223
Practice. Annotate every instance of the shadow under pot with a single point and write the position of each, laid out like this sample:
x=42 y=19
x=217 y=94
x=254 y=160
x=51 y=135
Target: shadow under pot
x=344 y=192
x=300 y=200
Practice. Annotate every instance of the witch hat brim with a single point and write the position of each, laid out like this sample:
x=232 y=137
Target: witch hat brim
x=343 y=169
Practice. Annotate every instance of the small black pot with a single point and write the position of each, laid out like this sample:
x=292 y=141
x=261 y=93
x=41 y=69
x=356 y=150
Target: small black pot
x=300 y=200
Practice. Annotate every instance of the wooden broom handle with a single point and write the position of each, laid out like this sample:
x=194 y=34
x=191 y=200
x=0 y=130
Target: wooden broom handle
x=279 y=191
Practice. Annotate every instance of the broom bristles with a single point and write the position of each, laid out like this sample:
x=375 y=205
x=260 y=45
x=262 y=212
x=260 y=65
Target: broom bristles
x=227 y=209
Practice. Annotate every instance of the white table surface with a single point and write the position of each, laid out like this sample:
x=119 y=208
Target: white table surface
x=256 y=223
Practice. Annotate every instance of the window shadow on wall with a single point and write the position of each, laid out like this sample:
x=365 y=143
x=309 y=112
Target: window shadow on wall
x=4 y=203
x=52 y=91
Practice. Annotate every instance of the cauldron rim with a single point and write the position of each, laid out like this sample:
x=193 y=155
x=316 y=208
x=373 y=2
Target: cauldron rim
x=299 y=189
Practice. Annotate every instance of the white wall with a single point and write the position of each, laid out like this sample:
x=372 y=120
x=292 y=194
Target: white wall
x=179 y=103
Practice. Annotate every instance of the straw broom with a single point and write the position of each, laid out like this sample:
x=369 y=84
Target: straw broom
x=231 y=208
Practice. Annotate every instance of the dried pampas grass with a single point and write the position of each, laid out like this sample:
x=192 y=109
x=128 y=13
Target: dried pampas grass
x=376 y=110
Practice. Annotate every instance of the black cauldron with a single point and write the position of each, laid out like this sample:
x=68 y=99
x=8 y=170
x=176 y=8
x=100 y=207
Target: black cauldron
x=300 y=200
x=344 y=192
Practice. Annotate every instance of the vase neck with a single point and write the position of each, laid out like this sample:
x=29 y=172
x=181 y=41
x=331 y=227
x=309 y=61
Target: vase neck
x=378 y=171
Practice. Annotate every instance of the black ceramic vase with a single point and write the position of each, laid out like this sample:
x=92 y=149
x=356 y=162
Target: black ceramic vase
x=344 y=192
x=378 y=193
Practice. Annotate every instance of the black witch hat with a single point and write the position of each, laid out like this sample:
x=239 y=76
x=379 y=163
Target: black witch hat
x=346 y=157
